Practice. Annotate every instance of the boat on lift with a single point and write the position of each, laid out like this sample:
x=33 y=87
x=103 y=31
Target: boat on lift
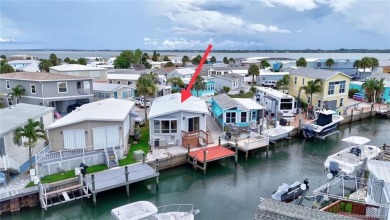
x=324 y=124
x=288 y=193
x=278 y=133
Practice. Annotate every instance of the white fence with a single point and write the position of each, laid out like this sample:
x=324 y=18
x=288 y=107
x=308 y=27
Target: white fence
x=6 y=162
x=62 y=154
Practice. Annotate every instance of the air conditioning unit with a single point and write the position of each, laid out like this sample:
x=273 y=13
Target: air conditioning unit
x=157 y=142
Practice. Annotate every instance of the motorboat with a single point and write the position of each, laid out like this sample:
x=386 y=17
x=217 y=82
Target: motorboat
x=325 y=123
x=351 y=159
x=278 y=133
x=147 y=210
x=288 y=193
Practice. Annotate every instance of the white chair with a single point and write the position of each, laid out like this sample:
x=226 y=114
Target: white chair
x=201 y=142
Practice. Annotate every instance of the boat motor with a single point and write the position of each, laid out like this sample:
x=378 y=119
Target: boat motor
x=334 y=168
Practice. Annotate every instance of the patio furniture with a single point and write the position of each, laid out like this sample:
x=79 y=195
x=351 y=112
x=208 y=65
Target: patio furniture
x=2 y=178
x=201 y=142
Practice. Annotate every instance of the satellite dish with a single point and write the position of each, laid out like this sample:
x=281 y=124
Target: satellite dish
x=303 y=186
x=329 y=176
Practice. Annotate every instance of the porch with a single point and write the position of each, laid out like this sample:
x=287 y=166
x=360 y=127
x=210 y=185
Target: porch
x=353 y=209
x=192 y=138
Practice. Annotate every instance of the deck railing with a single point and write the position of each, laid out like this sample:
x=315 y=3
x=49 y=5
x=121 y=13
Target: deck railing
x=192 y=138
x=7 y=162
x=343 y=207
x=62 y=154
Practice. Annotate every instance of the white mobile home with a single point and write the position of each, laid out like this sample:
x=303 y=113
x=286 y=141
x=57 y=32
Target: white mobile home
x=275 y=101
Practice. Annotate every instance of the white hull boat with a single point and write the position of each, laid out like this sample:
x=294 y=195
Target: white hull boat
x=278 y=133
x=147 y=210
x=351 y=159
x=326 y=123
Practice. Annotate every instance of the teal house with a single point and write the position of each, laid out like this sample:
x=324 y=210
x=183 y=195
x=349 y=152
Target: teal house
x=240 y=112
x=385 y=95
x=208 y=91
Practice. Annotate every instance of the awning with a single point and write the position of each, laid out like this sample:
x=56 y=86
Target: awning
x=217 y=111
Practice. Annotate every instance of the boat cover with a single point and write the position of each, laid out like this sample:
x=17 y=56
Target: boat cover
x=356 y=140
x=283 y=189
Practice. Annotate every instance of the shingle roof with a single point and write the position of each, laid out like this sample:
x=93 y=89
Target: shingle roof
x=16 y=115
x=33 y=76
x=107 y=87
x=270 y=209
x=225 y=102
x=104 y=110
x=316 y=73
x=231 y=76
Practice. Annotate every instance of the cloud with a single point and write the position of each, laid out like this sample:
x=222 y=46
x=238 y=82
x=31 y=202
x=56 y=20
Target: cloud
x=185 y=43
x=149 y=41
x=264 y=28
x=303 y=5
x=6 y=40
x=9 y=28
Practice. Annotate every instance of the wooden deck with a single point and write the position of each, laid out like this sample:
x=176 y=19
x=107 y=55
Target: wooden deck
x=114 y=178
x=212 y=154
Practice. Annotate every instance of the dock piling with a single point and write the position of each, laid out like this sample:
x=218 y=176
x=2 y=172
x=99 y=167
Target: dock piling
x=93 y=189
x=236 y=156
x=219 y=140
x=205 y=162
x=127 y=180
x=143 y=158
x=157 y=175
x=267 y=150
x=188 y=154
x=351 y=115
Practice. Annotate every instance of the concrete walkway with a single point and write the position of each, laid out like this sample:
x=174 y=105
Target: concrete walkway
x=17 y=182
x=214 y=129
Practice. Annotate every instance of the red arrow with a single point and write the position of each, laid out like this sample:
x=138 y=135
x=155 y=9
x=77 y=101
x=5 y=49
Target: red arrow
x=185 y=93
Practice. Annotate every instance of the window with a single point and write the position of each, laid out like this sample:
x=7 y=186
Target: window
x=118 y=82
x=230 y=117
x=342 y=87
x=319 y=104
x=9 y=100
x=331 y=88
x=165 y=126
x=193 y=124
x=303 y=81
x=129 y=82
x=286 y=104
x=295 y=80
x=7 y=85
x=33 y=89
x=318 y=64
x=341 y=101
x=243 y=116
x=62 y=87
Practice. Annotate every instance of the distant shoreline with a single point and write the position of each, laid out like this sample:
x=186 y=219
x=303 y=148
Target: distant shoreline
x=225 y=51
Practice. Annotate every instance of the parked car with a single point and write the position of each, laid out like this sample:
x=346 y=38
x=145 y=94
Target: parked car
x=269 y=83
x=140 y=121
x=140 y=101
x=73 y=107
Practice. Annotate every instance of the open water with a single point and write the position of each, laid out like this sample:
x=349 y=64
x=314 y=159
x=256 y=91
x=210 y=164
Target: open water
x=225 y=192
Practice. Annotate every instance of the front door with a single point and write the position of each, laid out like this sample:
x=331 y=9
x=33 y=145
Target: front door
x=116 y=95
x=193 y=124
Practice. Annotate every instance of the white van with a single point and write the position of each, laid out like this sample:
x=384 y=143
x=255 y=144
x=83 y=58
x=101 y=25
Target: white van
x=140 y=101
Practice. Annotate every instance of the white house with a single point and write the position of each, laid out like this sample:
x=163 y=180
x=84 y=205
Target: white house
x=176 y=123
x=234 y=81
x=158 y=64
x=181 y=73
x=12 y=156
x=103 y=124
x=124 y=79
x=117 y=91
x=16 y=64
x=96 y=73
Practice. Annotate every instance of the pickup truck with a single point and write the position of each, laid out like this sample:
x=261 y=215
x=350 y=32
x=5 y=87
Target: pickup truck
x=140 y=101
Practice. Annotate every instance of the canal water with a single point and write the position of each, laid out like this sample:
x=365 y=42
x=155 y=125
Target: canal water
x=225 y=192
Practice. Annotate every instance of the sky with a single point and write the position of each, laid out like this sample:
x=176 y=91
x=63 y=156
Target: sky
x=193 y=24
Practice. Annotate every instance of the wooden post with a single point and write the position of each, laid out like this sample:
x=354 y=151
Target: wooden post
x=219 y=140
x=157 y=176
x=246 y=155
x=127 y=180
x=93 y=189
x=351 y=115
x=236 y=156
x=372 y=107
x=188 y=155
x=204 y=161
x=267 y=150
x=143 y=158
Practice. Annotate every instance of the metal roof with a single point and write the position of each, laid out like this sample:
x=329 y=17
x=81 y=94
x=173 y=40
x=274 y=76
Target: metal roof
x=75 y=67
x=249 y=103
x=271 y=209
x=34 y=76
x=225 y=102
x=17 y=115
x=172 y=103
x=231 y=76
x=108 y=87
x=316 y=73
x=380 y=169
x=104 y=110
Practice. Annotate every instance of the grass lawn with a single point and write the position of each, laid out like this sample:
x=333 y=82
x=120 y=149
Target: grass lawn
x=68 y=174
x=141 y=145
x=243 y=95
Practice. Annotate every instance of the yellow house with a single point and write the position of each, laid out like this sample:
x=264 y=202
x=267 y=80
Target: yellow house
x=334 y=90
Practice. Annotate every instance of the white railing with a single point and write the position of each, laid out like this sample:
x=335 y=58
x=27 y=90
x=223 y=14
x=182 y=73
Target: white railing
x=7 y=162
x=60 y=155
x=41 y=153
x=107 y=158
x=84 y=91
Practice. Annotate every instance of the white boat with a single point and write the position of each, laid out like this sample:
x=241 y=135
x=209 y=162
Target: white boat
x=326 y=122
x=349 y=160
x=147 y=210
x=278 y=133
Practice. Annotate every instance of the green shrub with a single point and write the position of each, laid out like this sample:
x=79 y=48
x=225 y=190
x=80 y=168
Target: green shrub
x=242 y=92
x=351 y=92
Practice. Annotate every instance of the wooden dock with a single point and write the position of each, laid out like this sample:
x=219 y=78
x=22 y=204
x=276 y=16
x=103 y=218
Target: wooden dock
x=385 y=154
x=255 y=141
x=209 y=154
x=120 y=176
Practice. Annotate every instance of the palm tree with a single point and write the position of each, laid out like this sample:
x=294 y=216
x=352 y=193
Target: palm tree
x=313 y=87
x=264 y=64
x=284 y=82
x=17 y=92
x=374 y=63
x=373 y=88
x=176 y=81
x=253 y=71
x=356 y=65
x=44 y=65
x=185 y=60
x=301 y=62
x=366 y=62
x=329 y=63
x=231 y=60
x=146 y=87
x=33 y=131
x=199 y=85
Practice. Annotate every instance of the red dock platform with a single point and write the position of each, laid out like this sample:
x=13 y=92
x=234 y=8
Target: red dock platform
x=213 y=153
